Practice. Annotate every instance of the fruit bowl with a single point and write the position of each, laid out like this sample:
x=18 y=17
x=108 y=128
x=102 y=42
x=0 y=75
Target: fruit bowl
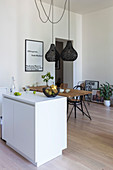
x=49 y=92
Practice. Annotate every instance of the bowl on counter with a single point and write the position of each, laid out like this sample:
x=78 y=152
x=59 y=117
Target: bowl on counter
x=67 y=90
x=50 y=92
x=61 y=90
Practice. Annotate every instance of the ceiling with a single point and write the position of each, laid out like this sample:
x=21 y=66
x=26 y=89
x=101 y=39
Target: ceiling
x=84 y=6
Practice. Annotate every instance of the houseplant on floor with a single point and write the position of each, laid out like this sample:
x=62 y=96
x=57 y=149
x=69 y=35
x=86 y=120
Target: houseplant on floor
x=106 y=92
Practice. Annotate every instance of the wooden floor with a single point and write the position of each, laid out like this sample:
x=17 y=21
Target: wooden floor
x=90 y=145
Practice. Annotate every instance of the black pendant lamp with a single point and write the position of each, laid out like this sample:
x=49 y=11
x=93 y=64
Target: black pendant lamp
x=52 y=54
x=69 y=53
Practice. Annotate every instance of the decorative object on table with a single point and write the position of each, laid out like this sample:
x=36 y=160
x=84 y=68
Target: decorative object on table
x=26 y=88
x=69 y=53
x=61 y=90
x=67 y=90
x=47 y=77
x=33 y=55
x=51 y=91
x=58 y=83
x=37 y=84
x=106 y=93
x=12 y=89
x=17 y=94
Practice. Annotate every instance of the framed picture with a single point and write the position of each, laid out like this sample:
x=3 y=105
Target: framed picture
x=96 y=96
x=33 y=55
x=89 y=86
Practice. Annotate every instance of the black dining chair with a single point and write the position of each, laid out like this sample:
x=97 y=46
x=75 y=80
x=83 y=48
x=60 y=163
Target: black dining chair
x=78 y=103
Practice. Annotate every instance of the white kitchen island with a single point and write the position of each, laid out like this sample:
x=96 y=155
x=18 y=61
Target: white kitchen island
x=35 y=126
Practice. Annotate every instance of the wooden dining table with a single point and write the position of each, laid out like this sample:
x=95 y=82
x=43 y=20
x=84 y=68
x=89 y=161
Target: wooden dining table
x=71 y=94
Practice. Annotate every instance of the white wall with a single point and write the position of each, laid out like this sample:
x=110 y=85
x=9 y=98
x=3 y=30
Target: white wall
x=77 y=64
x=98 y=46
x=19 y=21
x=67 y=72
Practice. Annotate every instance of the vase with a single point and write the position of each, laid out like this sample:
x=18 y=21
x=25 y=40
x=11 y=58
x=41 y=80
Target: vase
x=107 y=103
x=47 y=84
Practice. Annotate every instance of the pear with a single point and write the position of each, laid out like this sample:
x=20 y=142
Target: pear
x=34 y=92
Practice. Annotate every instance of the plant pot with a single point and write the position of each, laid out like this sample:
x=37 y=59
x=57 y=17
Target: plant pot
x=107 y=103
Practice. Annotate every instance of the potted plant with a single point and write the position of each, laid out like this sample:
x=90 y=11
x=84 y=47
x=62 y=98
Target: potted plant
x=47 y=77
x=106 y=92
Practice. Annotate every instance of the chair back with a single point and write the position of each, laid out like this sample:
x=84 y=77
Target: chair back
x=78 y=87
x=63 y=85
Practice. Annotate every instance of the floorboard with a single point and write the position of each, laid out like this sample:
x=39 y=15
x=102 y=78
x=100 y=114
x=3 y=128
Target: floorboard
x=90 y=145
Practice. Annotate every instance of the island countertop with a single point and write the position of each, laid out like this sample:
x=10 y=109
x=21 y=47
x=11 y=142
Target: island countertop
x=30 y=98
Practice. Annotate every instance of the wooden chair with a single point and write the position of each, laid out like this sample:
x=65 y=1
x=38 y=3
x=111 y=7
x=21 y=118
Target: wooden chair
x=76 y=102
x=63 y=85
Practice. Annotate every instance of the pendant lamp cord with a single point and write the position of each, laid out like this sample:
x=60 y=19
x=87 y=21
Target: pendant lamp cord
x=69 y=19
x=52 y=23
x=40 y=14
x=48 y=16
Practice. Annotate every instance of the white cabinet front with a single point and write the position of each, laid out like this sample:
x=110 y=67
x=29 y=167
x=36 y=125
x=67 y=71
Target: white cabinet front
x=19 y=126
x=8 y=120
x=2 y=91
x=24 y=128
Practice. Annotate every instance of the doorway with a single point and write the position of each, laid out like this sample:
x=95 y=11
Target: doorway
x=63 y=69
x=59 y=64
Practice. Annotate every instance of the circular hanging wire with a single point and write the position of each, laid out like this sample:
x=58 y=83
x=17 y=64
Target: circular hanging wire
x=48 y=16
x=40 y=14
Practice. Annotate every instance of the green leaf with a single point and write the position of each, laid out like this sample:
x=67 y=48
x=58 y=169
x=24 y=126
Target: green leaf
x=106 y=90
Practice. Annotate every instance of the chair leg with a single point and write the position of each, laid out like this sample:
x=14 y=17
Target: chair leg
x=69 y=114
x=75 y=110
x=67 y=107
x=87 y=111
x=82 y=108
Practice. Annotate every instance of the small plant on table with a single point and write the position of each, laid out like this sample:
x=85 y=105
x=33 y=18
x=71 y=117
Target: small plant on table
x=47 y=77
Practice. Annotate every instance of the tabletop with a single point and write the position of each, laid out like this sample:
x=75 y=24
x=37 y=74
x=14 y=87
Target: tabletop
x=72 y=93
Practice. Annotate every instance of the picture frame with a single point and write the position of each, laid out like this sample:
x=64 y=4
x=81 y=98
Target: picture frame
x=96 y=96
x=34 y=55
x=89 y=86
